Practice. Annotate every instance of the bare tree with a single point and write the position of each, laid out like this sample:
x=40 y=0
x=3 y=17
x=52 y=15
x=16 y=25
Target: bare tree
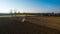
x=52 y=13
x=18 y=12
x=11 y=12
x=15 y=12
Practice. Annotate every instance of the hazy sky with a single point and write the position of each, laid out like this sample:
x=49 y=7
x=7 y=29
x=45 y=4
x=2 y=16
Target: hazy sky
x=30 y=6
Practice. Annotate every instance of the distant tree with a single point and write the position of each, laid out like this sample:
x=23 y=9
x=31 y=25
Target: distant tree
x=49 y=14
x=52 y=13
x=57 y=14
x=18 y=12
x=15 y=12
x=11 y=13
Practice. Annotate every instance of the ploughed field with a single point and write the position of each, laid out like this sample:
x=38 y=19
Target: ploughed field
x=51 y=22
x=33 y=25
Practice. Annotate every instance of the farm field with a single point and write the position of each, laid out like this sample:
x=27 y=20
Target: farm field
x=33 y=25
x=15 y=15
x=52 y=22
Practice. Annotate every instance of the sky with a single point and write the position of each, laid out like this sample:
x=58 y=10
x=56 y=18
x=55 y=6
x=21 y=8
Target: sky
x=30 y=6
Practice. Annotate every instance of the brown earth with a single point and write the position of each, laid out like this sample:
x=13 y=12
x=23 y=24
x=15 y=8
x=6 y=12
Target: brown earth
x=51 y=22
x=12 y=26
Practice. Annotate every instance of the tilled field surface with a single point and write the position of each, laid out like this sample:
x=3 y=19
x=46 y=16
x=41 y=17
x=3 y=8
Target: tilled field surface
x=11 y=26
